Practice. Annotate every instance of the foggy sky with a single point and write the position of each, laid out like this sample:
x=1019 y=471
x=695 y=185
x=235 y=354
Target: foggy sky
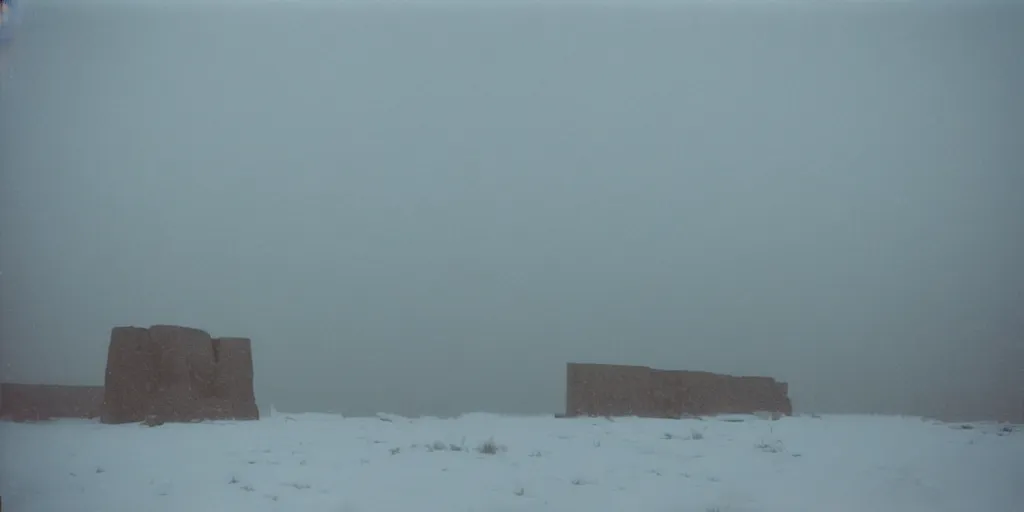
x=430 y=210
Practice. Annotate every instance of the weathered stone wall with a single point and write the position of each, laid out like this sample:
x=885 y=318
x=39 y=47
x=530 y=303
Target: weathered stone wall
x=177 y=374
x=609 y=390
x=34 y=402
x=618 y=390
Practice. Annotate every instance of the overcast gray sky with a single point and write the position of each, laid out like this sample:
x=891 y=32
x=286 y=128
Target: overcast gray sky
x=432 y=210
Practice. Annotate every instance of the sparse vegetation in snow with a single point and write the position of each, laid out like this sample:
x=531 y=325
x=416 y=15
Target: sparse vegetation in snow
x=317 y=464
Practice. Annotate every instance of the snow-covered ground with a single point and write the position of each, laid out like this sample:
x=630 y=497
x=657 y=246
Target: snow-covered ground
x=316 y=462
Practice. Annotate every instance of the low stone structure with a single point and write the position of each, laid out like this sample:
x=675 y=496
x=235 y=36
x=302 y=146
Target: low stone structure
x=618 y=390
x=177 y=374
x=36 y=402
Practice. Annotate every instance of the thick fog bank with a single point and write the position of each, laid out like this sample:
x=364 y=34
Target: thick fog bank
x=433 y=209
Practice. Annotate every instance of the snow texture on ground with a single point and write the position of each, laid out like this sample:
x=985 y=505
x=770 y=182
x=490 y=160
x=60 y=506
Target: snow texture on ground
x=317 y=462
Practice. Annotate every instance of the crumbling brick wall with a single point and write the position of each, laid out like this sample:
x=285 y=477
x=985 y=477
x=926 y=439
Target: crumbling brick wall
x=33 y=402
x=619 y=390
x=177 y=374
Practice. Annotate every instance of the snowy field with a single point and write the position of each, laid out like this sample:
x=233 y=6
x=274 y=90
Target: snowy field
x=316 y=462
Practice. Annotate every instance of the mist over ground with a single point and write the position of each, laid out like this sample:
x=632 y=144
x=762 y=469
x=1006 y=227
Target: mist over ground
x=430 y=209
